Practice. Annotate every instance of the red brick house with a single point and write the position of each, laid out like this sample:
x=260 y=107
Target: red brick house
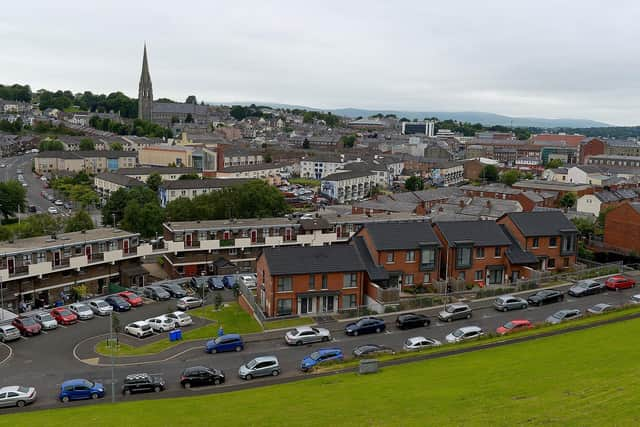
x=622 y=227
x=590 y=147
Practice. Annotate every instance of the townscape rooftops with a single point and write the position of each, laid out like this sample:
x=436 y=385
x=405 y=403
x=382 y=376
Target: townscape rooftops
x=179 y=108
x=119 y=179
x=538 y=224
x=375 y=272
x=162 y=170
x=348 y=174
x=515 y=253
x=551 y=185
x=85 y=154
x=62 y=239
x=188 y=184
x=492 y=188
x=226 y=224
x=401 y=235
x=479 y=233
x=257 y=167
x=386 y=203
x=313 y=259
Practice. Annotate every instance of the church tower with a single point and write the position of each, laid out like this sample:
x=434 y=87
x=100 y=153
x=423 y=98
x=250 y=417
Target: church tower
x=145 y=90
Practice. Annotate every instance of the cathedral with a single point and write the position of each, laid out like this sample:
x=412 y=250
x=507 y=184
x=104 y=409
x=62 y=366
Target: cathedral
x=145 y=91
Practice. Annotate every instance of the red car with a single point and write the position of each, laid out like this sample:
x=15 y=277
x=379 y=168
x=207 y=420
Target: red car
x=514 y=326
x=27 y=325
x=132 y=298
x=619 y=282
x=64 y=316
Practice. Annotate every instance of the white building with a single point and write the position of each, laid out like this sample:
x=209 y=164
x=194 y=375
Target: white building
x=349 y=185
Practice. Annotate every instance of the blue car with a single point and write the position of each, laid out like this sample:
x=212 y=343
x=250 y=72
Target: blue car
x=229 y=342
x=215 y=283
x=118 y=303
x=229 y=282
x=321 y=356
x=79 y=389
x=366 y=325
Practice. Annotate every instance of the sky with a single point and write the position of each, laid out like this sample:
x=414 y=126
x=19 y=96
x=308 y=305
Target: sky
x=543 y=58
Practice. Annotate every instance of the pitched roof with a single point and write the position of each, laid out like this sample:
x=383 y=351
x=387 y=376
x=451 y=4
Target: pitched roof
x=515 y=253
x=313 y=259
x=188 y=184
x=375 y=272
x=480 y=233
x=123 y=180
x=534 y=224
x=162 y=170
x=401 y=235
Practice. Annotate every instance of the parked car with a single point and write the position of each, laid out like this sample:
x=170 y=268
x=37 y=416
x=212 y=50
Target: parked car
x=68 y=206
x=180 y=318
x=9 y=333
x=215 y=283
x=509 y=302
x=100 y=307
x=229 y=342
x=306 y=335
x=260 y=367
x=142 y=383
x=563 y=316
x=455 y=311
x=229 y=282
x=156 y=293
x=64 y=316
x=188 y=302
x=412 y=320
x=16 y=395
x=464 y=333
x=117 y=303
x=586 y=287
x=545 y=296
x=33 y=209
x=620 y=282
x=601 y=308
x=50 y=197
x=58 y=203
x=52 y=210
x=139 y=329
x=418 y=343
x=27 y=325
x=131 y=297
x=45 y=320
x=175 y=290
x=83 y=311
x=80 y=389
x=366 y=325
x=322 y=355
x=161 y=323
x=247 y=280
x=201 y=375
x=513 y=326
x=371 y=349
x=635 y=299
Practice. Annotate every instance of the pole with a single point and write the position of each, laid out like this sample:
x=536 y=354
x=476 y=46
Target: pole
x=1 y=300
x=112 y=344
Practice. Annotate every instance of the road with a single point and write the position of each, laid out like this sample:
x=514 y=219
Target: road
x=46 y=361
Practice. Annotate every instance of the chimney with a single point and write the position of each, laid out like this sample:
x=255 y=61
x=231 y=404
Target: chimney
x=461 y=203
x=488 y=204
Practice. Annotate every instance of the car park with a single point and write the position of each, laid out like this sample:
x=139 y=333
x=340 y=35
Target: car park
x=83 y=311
x=513 y=326
x=100 y=307
x=131 y=297
x=64 y=316
x=563 y=316
x=9 y=333
x=16 y=395
x=418 y=343
x=224 y=343
x=322 y=355
x=139 y=329
x=46 y=321
x=117 y=303
x=586 y=287
x=161 y=323
x=366 y=325
x=201 y=375
x=156 y=293
x=260 y=367
x=215 y=283
x=455 y=311
x=27 y=326
x=371 y=350
x=306 y=335
x=465 y=333
x=412 y=320
x=50 y=198
x=79 y=389
x=509 y=302
x=187 y=303
x=175 y=290
x=601 y=308
x=545 y=296
x=52 y=210
x=142 y=383
x=180 y=318
x=619 y=282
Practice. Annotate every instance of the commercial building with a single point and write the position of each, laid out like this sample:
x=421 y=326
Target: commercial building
x=422 y=128
x=166 y=155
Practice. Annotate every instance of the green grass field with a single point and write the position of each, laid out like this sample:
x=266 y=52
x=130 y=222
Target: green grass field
x=584 y=378
x=288 y=323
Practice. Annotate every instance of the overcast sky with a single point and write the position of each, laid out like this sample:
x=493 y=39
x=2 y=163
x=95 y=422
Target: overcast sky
x=556 y=59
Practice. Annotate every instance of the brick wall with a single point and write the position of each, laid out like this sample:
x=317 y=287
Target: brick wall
x=622 y=228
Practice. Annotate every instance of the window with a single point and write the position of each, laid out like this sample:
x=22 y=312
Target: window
x=312 y=281
x=463 y=257
x=553 y=242
x=535 y=243
x=285 y=284
x=348 y=301
x=408 y=279
x=427 y=258
x=566 y=262
x=324 y=281
x=101 y=247
x=390 y=258
x=233 y=251
x=498 y=252
x=479 y=252
x=202 y=235
x=42 y=256
x=461 y=275
x=67 y=252
x=284 y=307
x=568 y=243
x=77 y=250
x=410 y=256
x=26 y=259
x=478 y=275
x=350 y=280
x=425 y=278
x=551 y=263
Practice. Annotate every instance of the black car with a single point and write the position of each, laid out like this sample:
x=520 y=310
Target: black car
x=586 y=287
x=545 y=296
x=201 y=375
x=118 y=303
x=366 y=325
x=142 y=383
x=175 y=290
x=412 y=320
x=371 y=349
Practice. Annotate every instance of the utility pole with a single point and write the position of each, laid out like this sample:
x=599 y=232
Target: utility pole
x=112 y=345
x=1 y=300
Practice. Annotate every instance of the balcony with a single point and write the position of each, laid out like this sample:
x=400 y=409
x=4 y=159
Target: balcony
x=225 y=243
x=19 y=270
x=273 y=240
x=40 y=268
x=243 y=242
x=99 y=257
x=78 y=261
x=64 y=263
x=382 y=295
x=194 y=244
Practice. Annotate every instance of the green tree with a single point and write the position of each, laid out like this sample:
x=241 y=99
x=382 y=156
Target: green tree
x=191 y=99
x=189 y=176
x=568 y=200
x=39 y=225
x=154 y=181
x=87 y=144
x=115 y=146
x=489 y=173
x=414 y=183
x=83 y=195
x=585 y=226
x=510 y=177
x=51 y=145
x=305 y=144
x=189 y=118
x=12 y=198
x=553 y=163
x=81 y=220
x=348 y=141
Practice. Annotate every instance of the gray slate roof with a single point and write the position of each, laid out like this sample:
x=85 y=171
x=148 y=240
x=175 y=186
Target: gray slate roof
x=535 y=224
x=313 y=259
x=515 y=253
x=120 y=179
x=375 y=272
x=401 y=235
x=481 y=233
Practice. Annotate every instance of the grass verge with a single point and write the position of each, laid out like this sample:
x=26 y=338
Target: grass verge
x=288 y=323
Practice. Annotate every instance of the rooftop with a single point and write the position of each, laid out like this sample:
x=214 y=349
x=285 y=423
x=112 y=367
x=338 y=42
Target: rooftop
x=85 y=154
x=188 y=184
x=538 y=224
x=62 y=239
x=401 y=235
x=228 y=224
x=313 y=259
x=119 y=179
x=479 y=233
x=162 y=170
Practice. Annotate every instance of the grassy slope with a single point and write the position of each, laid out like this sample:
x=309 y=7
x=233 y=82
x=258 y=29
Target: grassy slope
x=583 y=378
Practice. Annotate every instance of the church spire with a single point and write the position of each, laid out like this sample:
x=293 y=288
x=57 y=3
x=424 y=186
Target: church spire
x=145 y=90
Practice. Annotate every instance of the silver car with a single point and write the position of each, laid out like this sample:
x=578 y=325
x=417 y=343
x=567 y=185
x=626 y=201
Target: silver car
x=305 y=335
x=9 y=333
x=46 y=320
x=509 y=302
x=188 y=302
x=82 y=311
x=181 y=318
x=455 y=311
x=563 y=316
x=16 y=395
x=260 y=367
x=100 y=307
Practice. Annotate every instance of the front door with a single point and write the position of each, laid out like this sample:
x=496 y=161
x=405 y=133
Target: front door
x=56 y=258
x=125 y=246
x=188 y=239
x=87 y=252
x=305 y=305
x=327 y=304
x=11 y=265
x=495 y=276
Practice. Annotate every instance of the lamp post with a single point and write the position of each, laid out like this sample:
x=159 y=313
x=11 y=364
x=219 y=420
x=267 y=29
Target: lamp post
x=112 y=345
x=1 y=300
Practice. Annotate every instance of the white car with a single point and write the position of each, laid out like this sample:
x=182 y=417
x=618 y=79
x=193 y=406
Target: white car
x=43 y=178
x=138 y=329
x=100 y=307
x=188 y=302
x=58 y=202
x=418 y=343
x=247 y=280
x=181 y=318
x=464 y=333
x=305 y=335
x=46 y=320
x=161 y=323
x=52 y=210
x=82 y=311
x=635 y=299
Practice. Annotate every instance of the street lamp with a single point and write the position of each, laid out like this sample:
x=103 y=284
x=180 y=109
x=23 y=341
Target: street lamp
x=1 y=300
x=112 y=345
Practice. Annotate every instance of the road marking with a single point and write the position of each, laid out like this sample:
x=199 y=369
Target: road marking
x=44 y=332
x=388 y=332
x=8 y=356
x=24 y=338
x=62 y=326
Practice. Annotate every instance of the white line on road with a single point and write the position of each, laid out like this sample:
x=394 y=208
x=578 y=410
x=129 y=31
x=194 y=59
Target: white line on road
x=9 y=356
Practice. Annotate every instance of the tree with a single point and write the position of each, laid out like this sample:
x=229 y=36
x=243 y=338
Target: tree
x=87 y=144
x=115 y=146
x=568 y=200
x=39 y=225
x=414 y=183
x=81 y=220
x=489 y=173
x=189 y=176
x=83 y=195
x=267 y=158
x=154 y=181
x=553 y=163
x=191 y=99
x=12 y=198
x=189 y=118
x=305 y=144
x=51 y=145
x=348 y=141
x=510 y=177
x=585 y=226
